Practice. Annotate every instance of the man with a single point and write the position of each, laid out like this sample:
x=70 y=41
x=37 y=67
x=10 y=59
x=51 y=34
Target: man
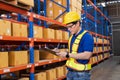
x=80 y=46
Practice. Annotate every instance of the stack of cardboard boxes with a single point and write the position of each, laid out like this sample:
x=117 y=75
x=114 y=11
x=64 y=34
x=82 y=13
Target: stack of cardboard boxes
x=54 y=10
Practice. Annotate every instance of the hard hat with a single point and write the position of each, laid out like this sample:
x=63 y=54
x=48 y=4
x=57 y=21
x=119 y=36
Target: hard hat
x=71 y=17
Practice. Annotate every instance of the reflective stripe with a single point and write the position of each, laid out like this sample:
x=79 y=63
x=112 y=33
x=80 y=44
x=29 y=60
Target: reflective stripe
x=71 y=62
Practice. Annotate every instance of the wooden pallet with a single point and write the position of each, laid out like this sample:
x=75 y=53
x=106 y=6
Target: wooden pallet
x=18 y=3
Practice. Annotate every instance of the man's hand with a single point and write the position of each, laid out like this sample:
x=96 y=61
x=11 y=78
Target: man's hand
x=56 y=50
x=62 y=54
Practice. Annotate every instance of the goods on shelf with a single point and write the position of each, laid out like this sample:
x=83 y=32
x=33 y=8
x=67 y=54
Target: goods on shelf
x=45 y=33
x=106 y=55
x=18 y=58
x=60 y=71
x=3 y=59
x=65 y=35
x=49 y=33
x=27 y=4
x=47 y=55
x=58 y=10
x=7 y=27
x=19 y=30
x=24 y=78
x=38 y=32
x=49 y=9
x=41 y=75
x=76 y=5
x=58 y=34
x=51 y=74
x=54 y=10
x=36 y=56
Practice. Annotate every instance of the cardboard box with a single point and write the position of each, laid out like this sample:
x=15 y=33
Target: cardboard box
x=46 y=55
x=41 y=76
x=38 y=32
x=18 y=58
x=5 y=27
x=27 y=2
x=12 y=1
x=79 y=5
x=73 y=8
x=23 y=30
x=58 y=34
x=36 y=56
x=58 y=10
x=59 y=72
x=73 y=2
x=24 y=78
x=65 y=35
x=3 y=59
x=49 y=9
x=49 y=33
x=51 y=74
x=15 y=29
x=19 y=30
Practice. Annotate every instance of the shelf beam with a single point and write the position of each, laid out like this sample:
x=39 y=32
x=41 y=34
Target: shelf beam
x=12 y=8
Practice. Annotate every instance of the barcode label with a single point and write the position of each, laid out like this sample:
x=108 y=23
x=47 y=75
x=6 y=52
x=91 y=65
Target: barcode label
x=28 y=66
x=6 y=70
x=36 y=64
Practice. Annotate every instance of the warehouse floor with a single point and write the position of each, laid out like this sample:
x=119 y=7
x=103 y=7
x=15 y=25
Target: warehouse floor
x=107 y=70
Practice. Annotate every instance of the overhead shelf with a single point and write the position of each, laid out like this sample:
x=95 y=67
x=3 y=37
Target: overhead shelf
x=16 y=68
x=11 y=8
x=50 y=40
x=44 y=62
x=99 y=35
x=11 y=38
x=21 y=67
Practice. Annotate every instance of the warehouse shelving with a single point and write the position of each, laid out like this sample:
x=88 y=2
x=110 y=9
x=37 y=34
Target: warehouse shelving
x=31 y=40
x=16 y=68
x=95 y=22
x=21 y=67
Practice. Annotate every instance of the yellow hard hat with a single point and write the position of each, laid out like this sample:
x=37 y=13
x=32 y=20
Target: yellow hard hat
x=71 y=17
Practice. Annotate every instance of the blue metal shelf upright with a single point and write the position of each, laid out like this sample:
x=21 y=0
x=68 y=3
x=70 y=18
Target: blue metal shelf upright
x=99 y=24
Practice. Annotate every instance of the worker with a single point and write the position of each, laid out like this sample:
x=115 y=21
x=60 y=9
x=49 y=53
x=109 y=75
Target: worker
x=80 y=46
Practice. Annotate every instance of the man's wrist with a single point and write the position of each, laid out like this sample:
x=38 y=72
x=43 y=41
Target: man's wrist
x=67 y=55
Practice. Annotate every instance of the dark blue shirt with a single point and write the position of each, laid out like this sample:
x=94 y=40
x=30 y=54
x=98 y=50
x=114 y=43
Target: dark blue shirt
x=86 y=44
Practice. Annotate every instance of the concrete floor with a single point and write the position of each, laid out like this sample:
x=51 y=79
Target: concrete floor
x=107 y=70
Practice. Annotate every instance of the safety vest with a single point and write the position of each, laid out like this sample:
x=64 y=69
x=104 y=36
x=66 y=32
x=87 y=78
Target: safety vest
x=71 y=62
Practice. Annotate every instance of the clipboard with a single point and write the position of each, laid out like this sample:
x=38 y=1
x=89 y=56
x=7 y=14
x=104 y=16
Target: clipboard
x=48 y=50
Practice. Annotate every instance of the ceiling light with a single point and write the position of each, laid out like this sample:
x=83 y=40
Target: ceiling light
x=103 y=4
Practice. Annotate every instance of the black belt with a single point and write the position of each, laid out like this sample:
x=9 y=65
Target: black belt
x=79 y=71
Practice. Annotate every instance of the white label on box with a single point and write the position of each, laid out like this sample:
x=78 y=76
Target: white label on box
x=35 y=32
x=60 y=11
x=60 y=20
x=8 y=31
x=1 y=37
x=36 y=64
x=6 y=70
x=28 y=66
x=51 y=12
x=59 y=2
x=50 y=4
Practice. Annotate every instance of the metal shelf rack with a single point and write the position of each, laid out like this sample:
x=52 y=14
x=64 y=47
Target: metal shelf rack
x=8 y=7
x=95 y=24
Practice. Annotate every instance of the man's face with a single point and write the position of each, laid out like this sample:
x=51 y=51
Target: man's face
x=73 y=27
